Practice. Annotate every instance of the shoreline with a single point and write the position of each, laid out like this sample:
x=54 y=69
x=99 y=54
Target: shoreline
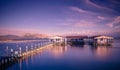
x=18 y=41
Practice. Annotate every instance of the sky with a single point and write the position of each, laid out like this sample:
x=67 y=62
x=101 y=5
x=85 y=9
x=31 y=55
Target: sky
x=60 y=17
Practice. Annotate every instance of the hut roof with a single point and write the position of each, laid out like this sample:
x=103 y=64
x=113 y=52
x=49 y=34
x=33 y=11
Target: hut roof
x=107 y=37
x=76 y=36
x=56 y=37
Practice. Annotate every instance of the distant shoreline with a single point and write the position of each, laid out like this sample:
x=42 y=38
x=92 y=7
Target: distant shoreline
x=18 y=41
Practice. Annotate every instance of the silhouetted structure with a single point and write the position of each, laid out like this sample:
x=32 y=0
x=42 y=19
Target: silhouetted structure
x=100 y=40
x=76 y=39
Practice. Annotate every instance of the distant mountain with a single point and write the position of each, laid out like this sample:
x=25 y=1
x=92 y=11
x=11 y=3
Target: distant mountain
x=8 y=37
x=28 y=35
x=24 y=37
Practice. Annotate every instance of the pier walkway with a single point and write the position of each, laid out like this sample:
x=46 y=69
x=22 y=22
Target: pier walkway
x=6 y=61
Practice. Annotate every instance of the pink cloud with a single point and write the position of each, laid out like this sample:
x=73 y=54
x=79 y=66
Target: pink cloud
x=79 y=10
x=17 y=31
x=114 y=22
x=80 y=23
x=101 y=17
x=89 y=32
x=93 y=4
x=98 y=6
x=84 y=23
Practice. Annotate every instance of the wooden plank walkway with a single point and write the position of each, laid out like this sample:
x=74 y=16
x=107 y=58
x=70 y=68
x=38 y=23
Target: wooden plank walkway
x=6 y=61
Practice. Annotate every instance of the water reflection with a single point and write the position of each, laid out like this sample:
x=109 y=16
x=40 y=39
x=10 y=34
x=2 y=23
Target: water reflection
x=58 y=50
x=64 y=57
x=77 y=45
x=26 y=62
x=20 y=63
x=101 y=51
x=6 y=51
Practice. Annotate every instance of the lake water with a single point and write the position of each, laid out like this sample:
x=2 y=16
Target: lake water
x=83 y=57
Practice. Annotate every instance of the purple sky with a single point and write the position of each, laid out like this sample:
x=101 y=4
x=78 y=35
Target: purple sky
x=54 y=17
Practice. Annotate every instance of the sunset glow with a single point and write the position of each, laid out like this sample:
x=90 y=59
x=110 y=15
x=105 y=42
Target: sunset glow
x=60 y=17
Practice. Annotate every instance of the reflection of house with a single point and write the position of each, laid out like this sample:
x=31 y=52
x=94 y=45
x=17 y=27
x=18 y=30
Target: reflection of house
x=102 y=40
x=57 y=39
x=100 y=51
x=76 y=39
x=58 y=50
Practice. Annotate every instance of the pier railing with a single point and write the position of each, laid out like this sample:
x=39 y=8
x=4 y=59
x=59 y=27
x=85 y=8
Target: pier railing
x=15 y=56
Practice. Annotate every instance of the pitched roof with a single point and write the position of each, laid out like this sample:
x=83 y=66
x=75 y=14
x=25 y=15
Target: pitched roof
x=76 y=36
x=108 y=37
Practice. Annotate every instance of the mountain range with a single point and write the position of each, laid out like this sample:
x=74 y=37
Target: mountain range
x=23 y=37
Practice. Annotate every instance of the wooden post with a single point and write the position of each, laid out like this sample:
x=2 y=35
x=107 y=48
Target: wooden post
x=11 y=52
x=26 y=48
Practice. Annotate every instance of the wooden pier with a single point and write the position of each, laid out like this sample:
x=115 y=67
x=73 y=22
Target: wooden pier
x=6 y=61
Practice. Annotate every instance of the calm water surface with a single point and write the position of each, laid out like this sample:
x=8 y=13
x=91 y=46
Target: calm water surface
x=84 y=57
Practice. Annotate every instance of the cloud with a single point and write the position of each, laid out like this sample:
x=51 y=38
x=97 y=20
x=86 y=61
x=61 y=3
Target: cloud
x=18 y=31
x=89 y=32
x=64 y=24
x=84 y=23
x=79 y=23
x=94 y=4
x=97 y=6
x=114 y=22
x=101 y=17
x=79 y=10
x=110 y=25
x=70 y=19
